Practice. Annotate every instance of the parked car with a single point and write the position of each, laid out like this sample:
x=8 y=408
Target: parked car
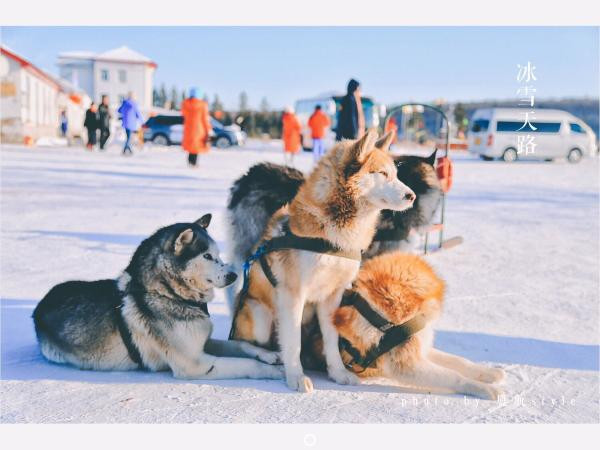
x=168 y=130
x=495 y=133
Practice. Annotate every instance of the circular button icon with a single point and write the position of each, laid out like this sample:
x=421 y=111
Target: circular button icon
x=310 y=440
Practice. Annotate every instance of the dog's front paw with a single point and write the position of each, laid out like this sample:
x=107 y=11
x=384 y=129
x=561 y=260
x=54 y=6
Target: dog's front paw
x=300 y=383
x=268 y=357
x=492 y=375
x=343 y=376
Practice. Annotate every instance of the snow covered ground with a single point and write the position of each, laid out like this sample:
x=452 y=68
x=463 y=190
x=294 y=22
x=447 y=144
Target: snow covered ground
x=522 y=290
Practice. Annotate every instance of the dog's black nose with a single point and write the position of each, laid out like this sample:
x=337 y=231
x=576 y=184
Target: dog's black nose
x=410 y=197
x=230 y=277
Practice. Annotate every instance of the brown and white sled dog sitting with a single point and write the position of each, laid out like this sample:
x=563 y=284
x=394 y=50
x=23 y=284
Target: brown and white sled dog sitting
x=340 y=203
x=153 y=317
x=403 y=289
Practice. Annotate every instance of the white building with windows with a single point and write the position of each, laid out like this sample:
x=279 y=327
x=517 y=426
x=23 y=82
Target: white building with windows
x=114 y=73
x=31 y=101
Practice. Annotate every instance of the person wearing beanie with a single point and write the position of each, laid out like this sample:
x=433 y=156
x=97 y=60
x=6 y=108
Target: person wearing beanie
x=196 y=126
x=131 y=117
x=318 y=122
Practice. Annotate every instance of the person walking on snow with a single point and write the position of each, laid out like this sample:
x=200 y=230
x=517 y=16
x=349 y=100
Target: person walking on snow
x=351 y=119
x=318 y=122
x=196 y=126
x=104 y=121
x=291 y=135
x=91 y=123
x=64 y=123
x=131 y=118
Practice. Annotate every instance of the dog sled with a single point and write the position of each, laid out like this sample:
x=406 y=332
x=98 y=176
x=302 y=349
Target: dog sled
x=414 y=132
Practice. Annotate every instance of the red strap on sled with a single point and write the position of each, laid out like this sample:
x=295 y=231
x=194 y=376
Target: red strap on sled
x=434 y=227
x=444 y=173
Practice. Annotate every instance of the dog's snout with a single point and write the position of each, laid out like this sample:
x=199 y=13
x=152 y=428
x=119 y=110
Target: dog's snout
x=230 y=277
x=410 y=196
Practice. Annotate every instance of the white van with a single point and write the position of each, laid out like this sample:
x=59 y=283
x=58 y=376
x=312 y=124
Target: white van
x=499 y=133
x=331 y=105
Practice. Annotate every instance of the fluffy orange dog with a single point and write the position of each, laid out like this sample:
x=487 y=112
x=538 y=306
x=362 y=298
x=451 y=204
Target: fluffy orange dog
x=404 y=289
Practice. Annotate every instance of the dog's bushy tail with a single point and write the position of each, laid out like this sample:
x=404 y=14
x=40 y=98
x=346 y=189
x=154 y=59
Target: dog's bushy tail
x=253 y=199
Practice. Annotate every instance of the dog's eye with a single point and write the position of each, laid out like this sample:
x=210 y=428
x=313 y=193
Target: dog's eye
x=208 y=256
x=384 y=173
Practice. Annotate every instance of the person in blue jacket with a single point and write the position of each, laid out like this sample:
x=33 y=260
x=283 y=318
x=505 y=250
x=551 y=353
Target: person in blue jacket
x=131 y=119
x=64 y=123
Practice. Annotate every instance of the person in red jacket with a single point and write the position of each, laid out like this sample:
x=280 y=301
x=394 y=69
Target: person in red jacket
x=291 y=135
x=318 y=122
x=196 y=126
x=392 y=125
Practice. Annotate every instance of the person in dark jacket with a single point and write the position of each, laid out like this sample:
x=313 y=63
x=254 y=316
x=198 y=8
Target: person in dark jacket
x=91 y=123
x=104 y=121
x=351 y=119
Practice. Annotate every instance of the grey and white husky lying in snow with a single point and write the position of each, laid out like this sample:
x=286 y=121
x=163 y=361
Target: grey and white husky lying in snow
x=153 y=317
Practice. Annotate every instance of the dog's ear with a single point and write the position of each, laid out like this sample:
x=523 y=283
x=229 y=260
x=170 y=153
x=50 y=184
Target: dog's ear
x=431 y=158
x=361 y=148
x=204 y=221
x=385 y=141
x=184 y=238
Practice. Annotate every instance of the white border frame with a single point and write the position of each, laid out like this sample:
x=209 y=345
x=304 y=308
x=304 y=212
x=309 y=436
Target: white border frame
x=305 y=12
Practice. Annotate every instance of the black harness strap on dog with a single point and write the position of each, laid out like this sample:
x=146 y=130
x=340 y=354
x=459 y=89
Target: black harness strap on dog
x=393 y=335
x=288 y=241
x=267 y=270
x=365 y=310
x=132 y=349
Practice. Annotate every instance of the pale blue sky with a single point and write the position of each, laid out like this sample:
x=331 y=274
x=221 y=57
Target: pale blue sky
x=393 y=63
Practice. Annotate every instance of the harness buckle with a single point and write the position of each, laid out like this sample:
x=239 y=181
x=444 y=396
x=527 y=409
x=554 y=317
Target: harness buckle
x=387 y=327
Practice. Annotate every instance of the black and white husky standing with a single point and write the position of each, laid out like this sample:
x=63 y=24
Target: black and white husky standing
x=153 y=317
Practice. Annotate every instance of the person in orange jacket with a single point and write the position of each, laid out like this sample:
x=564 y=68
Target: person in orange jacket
x=318 y=122
x=291 y=135
x=196 y=126
x=392 y=125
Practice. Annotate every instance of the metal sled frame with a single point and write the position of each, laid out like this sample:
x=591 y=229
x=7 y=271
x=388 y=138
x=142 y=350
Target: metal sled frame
x=438 y=226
